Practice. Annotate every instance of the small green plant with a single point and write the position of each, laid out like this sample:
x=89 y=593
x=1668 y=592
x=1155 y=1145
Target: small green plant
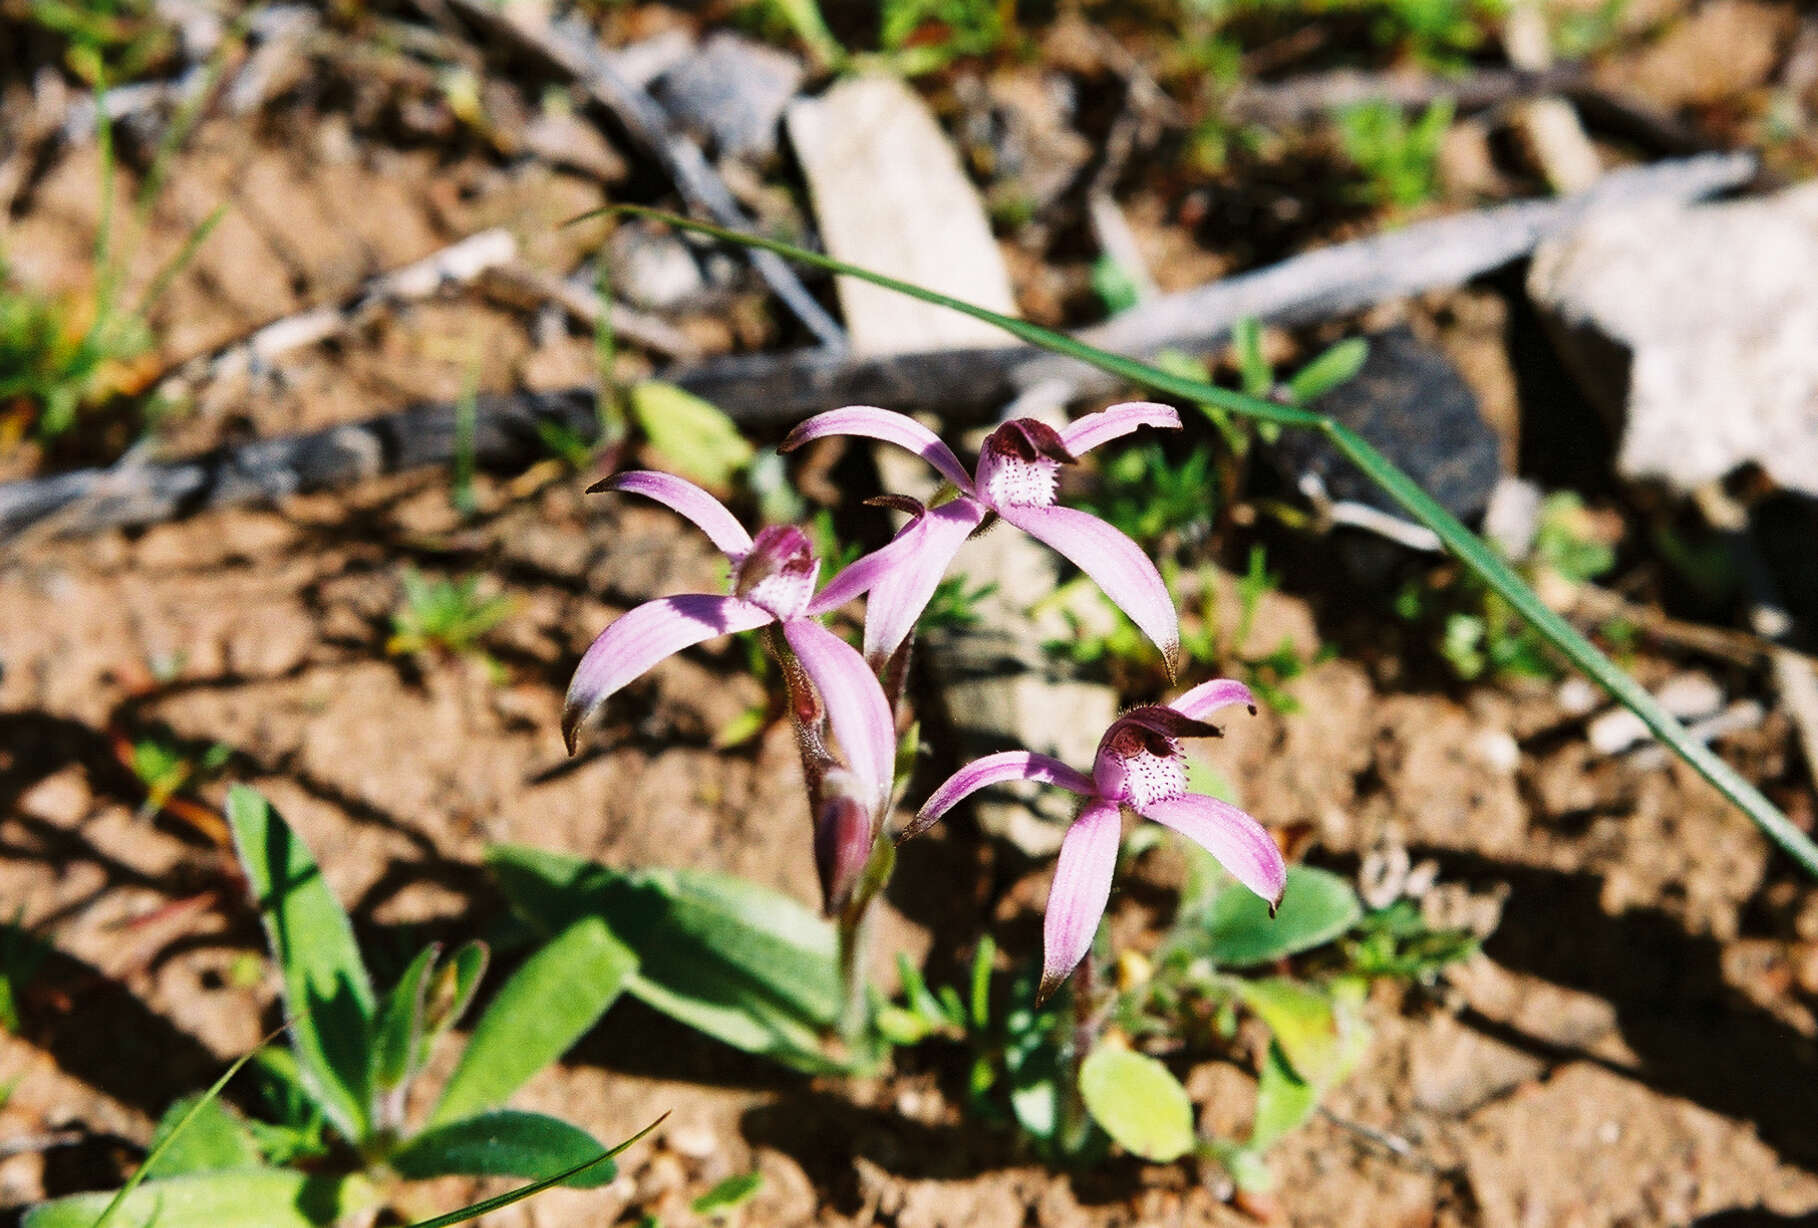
x=165 y=767
x=449 y=617
x=955 y=603
x=62 y=356
x=1159 y=503
x=1399 y=159
x=1437 y=33
x=105 y=40
x=923 y=36
x=342 y=1140
x=1052 y=1072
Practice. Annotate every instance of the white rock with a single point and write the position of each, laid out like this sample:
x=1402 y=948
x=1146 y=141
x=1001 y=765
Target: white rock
x=890 y=195
x=1715 y=308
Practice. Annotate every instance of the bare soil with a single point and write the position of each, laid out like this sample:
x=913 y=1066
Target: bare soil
x=1636 y=1044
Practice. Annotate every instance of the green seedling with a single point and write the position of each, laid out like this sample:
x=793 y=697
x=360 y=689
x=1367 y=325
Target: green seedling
x=341 y=1089
x=1399 y=159
x=449 y=618
x=955 y=603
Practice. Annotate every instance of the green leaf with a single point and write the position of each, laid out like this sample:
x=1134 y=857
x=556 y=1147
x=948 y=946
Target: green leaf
x=247 y=1198
x=504 y=1143
x=1256 y=375
x=1316 y=908
x=547 y=1005
x=1337 y=365
x=1469 y=549
x=729 y=1195
x=326 y=990
x=695 y=439
x=401 y=1023
x=1322 y=1033
x=211 y=1139
x=488 y=1205
x=748 y=966
x=1284 y=1101
x=1140 y=1104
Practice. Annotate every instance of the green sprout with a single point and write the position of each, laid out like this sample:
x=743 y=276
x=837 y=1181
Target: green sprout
x=447 y=617
x=1399 y=159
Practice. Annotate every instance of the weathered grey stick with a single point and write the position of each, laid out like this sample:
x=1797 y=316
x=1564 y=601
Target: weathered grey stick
x=584 y=60
x=767 y=392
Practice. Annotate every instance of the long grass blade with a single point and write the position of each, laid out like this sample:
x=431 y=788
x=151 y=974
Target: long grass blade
x=1470 y=550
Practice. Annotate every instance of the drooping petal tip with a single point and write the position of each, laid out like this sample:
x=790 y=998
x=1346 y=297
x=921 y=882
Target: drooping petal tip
x=685 y=499
x=641 y=637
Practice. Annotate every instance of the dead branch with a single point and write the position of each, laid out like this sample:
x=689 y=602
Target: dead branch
x=582 y=59
x=768 y=392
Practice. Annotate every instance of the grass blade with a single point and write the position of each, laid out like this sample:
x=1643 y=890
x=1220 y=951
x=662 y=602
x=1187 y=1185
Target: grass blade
x=202 y=1101
x=1469 y=549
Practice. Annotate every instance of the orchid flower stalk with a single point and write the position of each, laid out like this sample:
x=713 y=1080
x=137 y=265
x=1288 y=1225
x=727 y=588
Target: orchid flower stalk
x=1138 y=765
x=1015 y=479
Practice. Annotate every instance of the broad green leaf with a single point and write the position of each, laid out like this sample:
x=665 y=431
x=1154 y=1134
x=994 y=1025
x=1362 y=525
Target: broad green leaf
x=695 y=439
x=729 y=1195
x=210 y=1139
x=1237 y=931
x=504 y=1143
x=1284 y=1101
x=748 y=966
x=326 y=991
x=401 y=1023
x=485 y=1206
x=1138 y=1102
x=1469 y=549
x=547 y=1005
x=248 y=1198
x=1321 y=1032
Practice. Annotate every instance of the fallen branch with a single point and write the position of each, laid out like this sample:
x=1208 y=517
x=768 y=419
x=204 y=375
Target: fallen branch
x=582 y=59
x=768 y=392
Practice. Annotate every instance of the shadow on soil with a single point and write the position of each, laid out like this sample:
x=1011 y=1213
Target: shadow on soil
x=1695 y=1036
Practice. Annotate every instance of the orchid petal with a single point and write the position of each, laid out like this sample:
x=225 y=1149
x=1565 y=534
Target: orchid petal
x=1241 y=844
x=641 y=637
x=1081 y=888
x=687 y=499
x=863 y=573
x=920 y=555
x=1114 y=562
x=1088 y=432
x=1208 y=697
x=889 y=426
x=996 y=769
x=856 y=707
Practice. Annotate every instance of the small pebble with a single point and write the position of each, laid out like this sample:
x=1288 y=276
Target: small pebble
x=695 y=1141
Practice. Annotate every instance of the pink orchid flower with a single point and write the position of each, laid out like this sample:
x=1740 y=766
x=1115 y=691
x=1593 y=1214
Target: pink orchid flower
x=1015 y=478
x=773 y=580
x=1139 y=764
